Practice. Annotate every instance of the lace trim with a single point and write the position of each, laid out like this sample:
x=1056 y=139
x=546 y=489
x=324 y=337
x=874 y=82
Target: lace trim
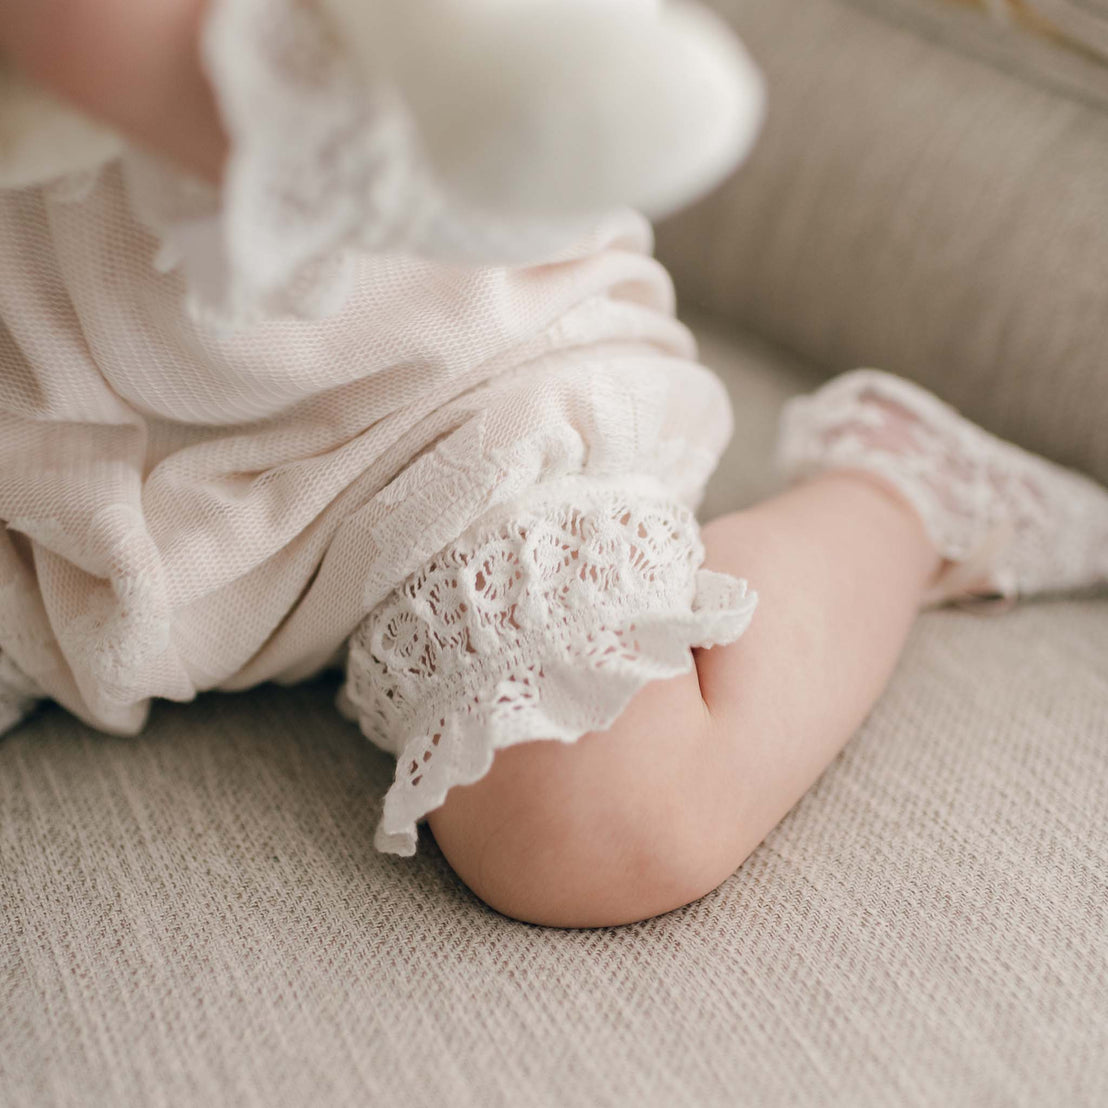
x=281 y=236
x=361 y=128
x=18 y=694
x=540 y=625
x=1010 y=522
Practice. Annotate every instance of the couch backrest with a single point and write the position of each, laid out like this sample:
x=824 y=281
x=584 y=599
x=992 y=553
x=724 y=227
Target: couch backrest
x=921 y=208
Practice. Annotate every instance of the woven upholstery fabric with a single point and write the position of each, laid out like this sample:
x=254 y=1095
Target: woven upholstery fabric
x=197 y=916
x=936 y=212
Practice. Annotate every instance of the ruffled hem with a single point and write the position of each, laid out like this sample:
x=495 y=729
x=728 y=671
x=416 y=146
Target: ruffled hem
x=541 y=627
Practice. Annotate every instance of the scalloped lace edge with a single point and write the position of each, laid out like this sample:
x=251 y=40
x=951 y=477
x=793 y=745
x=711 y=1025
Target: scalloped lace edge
x=556 y=675
x=480 y=735
x=1008 y=522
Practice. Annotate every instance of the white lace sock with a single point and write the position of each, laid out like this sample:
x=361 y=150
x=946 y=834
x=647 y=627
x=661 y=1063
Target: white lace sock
x=541 y=622
x=1008 y=522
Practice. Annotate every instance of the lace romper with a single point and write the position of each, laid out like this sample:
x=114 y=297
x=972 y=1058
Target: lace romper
x=306 y=421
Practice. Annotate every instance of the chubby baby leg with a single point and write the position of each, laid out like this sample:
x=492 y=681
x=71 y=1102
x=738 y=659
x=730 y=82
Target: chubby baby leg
x=661 y=808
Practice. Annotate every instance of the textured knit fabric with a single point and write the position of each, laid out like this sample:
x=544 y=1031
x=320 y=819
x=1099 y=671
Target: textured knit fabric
x=204 y=487
x=197 y=916
x=928 y=198
x=171 y=492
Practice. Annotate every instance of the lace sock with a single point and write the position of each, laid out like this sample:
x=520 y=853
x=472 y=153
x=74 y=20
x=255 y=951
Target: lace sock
x=1008 y=522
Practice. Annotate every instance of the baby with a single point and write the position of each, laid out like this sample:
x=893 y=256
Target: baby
x=328 y=409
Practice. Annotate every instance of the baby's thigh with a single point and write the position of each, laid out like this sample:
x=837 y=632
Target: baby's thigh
x=603 y=831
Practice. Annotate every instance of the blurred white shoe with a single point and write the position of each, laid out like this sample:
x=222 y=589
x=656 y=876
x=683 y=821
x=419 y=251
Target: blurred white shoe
x=562 y=108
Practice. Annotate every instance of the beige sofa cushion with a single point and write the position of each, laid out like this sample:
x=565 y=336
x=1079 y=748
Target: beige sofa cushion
x=921 y=210
x=197 y=917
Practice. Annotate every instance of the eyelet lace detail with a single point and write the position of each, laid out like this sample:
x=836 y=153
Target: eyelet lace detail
x=1010 y=522
x=541 y=624
x=18 y=693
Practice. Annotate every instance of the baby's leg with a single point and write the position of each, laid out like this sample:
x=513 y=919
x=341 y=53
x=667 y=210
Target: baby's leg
x=663 y=807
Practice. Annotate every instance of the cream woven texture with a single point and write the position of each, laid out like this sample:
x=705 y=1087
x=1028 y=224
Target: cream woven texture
x=230 y=517
x=189 y=507
x=197 y=917
x=934 y=212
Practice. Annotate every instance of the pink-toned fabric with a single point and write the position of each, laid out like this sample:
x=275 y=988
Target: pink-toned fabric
x=240 y=427
x=189 y=509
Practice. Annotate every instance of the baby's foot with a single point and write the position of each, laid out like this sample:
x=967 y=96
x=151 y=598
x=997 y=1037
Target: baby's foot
x=1007 y=522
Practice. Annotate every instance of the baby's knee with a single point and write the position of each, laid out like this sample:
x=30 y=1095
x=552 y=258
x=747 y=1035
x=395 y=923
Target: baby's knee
x=596 y=872
x=565 y=837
